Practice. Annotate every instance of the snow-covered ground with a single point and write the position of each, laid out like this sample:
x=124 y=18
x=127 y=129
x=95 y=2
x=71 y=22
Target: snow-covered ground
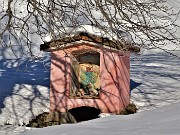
x=24 y=89
x=162 y=121
x=155 y=80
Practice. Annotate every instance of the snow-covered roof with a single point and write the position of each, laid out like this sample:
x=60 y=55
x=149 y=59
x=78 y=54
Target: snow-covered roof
x=106 y=32
x=117 y=39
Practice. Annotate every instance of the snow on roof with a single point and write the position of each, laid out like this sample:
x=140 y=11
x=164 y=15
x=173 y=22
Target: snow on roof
x=117 y=39
x=111 y=34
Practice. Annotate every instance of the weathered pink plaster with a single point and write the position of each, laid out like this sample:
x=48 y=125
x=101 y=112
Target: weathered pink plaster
x=114 y=81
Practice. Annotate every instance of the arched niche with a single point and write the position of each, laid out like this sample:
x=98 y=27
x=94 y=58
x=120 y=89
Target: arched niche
x=84 y=113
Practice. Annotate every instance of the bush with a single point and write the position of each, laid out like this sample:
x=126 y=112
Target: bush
x=130 y=109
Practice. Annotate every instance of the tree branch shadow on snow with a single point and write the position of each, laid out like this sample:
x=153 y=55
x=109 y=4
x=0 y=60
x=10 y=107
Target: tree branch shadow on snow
x=24 y=86
x=159 y=74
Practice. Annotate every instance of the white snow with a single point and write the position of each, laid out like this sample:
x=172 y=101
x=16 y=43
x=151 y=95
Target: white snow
x=104 y=32
x=24 y=89
x=155 y=80
x=23 y=105
x=162 y=121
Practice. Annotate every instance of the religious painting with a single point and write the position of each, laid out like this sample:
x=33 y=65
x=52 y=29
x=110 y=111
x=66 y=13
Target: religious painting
x=86 y=76
x=89 y=79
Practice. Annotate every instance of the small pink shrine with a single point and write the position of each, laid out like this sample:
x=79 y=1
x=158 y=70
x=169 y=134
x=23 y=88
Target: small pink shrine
x=89 y=70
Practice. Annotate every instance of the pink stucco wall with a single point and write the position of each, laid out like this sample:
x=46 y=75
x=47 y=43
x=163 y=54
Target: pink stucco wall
x=114 y=81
